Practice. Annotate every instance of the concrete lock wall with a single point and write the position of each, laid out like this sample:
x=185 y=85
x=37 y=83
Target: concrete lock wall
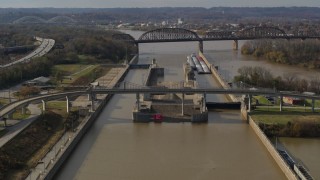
x=216 y=75
x=272 y=150
x=135 y=59
x=264 y=139
x=201 y=117
x=61 y=158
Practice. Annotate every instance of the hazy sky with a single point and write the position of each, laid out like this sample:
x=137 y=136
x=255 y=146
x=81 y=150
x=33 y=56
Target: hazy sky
x=156 y=3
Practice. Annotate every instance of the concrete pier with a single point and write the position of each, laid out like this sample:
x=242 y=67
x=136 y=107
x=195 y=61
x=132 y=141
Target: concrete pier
x=201 y=46
x=235 y=45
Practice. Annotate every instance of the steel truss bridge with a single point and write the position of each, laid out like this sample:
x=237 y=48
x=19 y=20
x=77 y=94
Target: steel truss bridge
x=181 y=35
x=133 y=89
x=39 y=20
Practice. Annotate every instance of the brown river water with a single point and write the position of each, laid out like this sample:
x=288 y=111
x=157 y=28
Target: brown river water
x=224 y=148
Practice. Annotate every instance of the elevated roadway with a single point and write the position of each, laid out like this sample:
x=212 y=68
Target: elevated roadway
x=131 y=90
x=45 y=46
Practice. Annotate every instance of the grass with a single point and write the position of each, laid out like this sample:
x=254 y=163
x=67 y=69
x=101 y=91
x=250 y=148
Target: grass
x=69 y=69
x=262 y=100
x=19 y=116
x=285 y=118
x=266 y=109
x=59 y=107
x=316 y=103
x=74 y=71
x=4 y=101
x=272 y=115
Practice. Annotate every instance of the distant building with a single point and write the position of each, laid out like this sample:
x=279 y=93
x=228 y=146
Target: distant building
x=293 y=100
x=180 y=21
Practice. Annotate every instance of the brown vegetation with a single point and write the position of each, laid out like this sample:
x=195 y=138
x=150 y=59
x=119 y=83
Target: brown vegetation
x=90 y=77
x=293 y=52
x=261 y=77
x=95 y=45
x=26 y=91
x=25 y=150
x=291 y=129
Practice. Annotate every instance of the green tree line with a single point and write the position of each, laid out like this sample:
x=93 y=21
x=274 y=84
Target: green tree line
x=293 y=52
x=81 y=45
x=262 y=77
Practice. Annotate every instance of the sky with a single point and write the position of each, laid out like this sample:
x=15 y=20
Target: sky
x=155 y=3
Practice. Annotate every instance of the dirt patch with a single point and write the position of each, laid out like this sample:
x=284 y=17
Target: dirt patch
x=26 y=149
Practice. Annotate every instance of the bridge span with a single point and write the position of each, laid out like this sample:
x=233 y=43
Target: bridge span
x=182 y=35
x=125 y=89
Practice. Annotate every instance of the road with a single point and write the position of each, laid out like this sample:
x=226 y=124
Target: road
x=45 y=46
x=17 y=128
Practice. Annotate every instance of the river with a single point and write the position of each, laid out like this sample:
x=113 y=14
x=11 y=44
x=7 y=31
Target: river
x=224 y=148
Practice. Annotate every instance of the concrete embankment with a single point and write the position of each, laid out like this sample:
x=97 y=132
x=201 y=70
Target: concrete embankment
x=53 y=168
x=216 y=75
x=271 y=149
x=244 y=114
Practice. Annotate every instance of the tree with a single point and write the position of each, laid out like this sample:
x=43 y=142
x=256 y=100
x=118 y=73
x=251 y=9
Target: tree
x=26 y=91
x=59 y=76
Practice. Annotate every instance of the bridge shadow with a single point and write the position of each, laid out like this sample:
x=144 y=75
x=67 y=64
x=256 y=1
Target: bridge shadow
x=222 y=116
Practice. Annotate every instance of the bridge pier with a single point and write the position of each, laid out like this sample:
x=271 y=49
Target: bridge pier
x=10 y=115
x=138 y=101
x=201 y=46
x=23 y=110
x=281 y=100
x=182 y=111
x=313 y=102
x=137 y=44
x=204 y=102
x=43 y=106
x=91 y=97
x=249 y=103
x=235 y=45
x=67 y=104
x=92 y=106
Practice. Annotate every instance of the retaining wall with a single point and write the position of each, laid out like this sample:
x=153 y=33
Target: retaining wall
x=272 y=150
x=244 y=114
x=217 y=76
x=135 y=59
x=83 y=129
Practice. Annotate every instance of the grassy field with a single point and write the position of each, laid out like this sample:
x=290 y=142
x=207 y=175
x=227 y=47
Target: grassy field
x=3 y=101
x=262 y=100
x=74 y=71
x=272 y=115
x=285 y=118
x=19 y=116
x=59 y=107
x=309 y=103
x=290 y=109
x=69 y=69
